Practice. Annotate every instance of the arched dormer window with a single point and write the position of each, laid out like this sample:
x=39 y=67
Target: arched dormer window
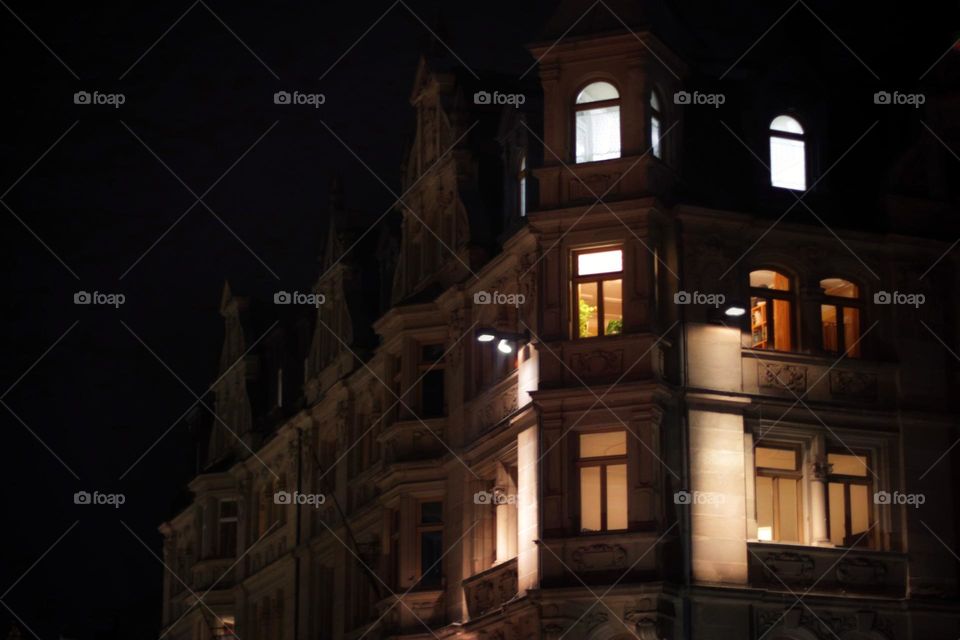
x=840 y=316
x=788 y=154
x=597 y=122
x=656 y=125
x=771 y=313
x=522 y=179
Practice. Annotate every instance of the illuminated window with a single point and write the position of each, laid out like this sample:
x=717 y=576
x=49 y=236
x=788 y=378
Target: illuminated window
x=770 y=311
x=788 y=155
x=227 y=529
x=779 y=510
x=598 y=283
x=226 y=628
x=430 y=543
x=523 y=186
x=598 y=122
x=840 y=316
x=849 y=499
x=656 y=120
x=603 y=481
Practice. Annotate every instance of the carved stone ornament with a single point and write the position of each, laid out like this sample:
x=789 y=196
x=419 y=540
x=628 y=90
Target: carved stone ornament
x=786 y=377
x=854 y=384
x=860 y=571
x=597 y=363
x=599 y=556
x=789 y=566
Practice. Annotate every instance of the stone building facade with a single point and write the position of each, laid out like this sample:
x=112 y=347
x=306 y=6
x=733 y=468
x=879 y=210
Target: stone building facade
x=568 y=390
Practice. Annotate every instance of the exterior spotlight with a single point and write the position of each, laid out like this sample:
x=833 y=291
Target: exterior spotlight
x=485 y=335
x=504 y=347
x=734 y=311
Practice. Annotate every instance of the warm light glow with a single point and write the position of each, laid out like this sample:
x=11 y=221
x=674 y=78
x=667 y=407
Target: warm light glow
x=589 y=264
x=735 y=311
x=504 y=347
x=765 y=533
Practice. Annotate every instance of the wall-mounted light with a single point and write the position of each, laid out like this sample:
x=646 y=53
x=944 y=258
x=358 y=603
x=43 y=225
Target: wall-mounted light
x=486 y=335
x=505 y=339
x=734 y=311
x=504 y=347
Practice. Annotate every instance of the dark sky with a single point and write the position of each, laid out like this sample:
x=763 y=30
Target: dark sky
x=98 y=200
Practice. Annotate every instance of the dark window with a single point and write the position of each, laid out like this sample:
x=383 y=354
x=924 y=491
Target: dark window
x=430 y=543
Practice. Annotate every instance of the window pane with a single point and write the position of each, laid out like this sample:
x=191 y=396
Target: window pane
x=590 y=499
x=607 y=443
x=432 y=391
x=431 y=512
x=838 y=287
x=786 y=124
x=760 y=324
x=787 y=163
x=847 y=465
x=228 y=508
x=617 y=496
x=587 y=310
x=769 y=458
x=598 y=134
x=782 y=339
x=612 y=307
x=859 y=511
x=837 y=513
x=654 y=101
x=764 y=508
x=828 y=320
x=851 y=331
x=523 y=196
x=589 y=264
x=766 y=279
x=431 y=550
x=655 y=136
x=598 y=91
x=789 y=502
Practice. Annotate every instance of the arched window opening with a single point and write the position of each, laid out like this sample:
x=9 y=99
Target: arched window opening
x=597 y=123
x=788 y=155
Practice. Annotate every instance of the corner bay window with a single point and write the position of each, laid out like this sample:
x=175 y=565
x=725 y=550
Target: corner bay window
x=598 y=285
x=597 y=123
x=603 y=481
x=840 y=317
x=779 y=506
x=432 y=393
x=770 y=311
x=430 y=543
x=849 y=498
x=227 y=529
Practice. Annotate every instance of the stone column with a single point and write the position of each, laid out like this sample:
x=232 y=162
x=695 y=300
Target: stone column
x=819 y=534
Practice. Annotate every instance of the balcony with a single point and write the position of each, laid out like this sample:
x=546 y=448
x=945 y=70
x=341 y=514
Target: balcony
x=417 y=609
x=216 y=573
x=412 y=440
x=624 y=358
x=491 y=589
x=600 y=558
x=779 y=567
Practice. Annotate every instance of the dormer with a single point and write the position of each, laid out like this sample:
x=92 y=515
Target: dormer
x=609 y=129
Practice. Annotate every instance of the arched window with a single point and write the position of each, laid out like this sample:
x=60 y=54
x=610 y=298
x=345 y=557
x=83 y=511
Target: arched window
x=656 y=120
x=598 y=122
x=788 y=155
x=522 y=205
x=771 y=325
x=840 y=316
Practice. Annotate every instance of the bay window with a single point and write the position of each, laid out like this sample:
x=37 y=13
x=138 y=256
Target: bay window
x=788 y=154
x=840 y=317
x=598 y=288
x=849 y=499
x=602 y=465
x=778 y=492
x=597 y=122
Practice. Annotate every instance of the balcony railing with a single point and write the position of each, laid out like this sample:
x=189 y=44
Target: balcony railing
x=492 y=588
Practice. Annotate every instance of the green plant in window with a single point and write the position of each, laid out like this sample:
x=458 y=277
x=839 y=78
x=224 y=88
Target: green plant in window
x=614 y=326
x=586 y=313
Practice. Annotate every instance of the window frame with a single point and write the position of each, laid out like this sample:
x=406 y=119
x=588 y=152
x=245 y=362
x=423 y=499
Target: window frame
x=419 y=530
x=427 y=367
x=522 y=176
x=655 y=103
x=221 y=520
x=795 y=475
x=839 y=303
x=578 y=107
x=598 y=278
x=788 y=295
x=802 y=137
x=602 y=462
x=869 y=540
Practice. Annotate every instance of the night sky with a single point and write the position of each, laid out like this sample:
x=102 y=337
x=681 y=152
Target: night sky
x=105 y=199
